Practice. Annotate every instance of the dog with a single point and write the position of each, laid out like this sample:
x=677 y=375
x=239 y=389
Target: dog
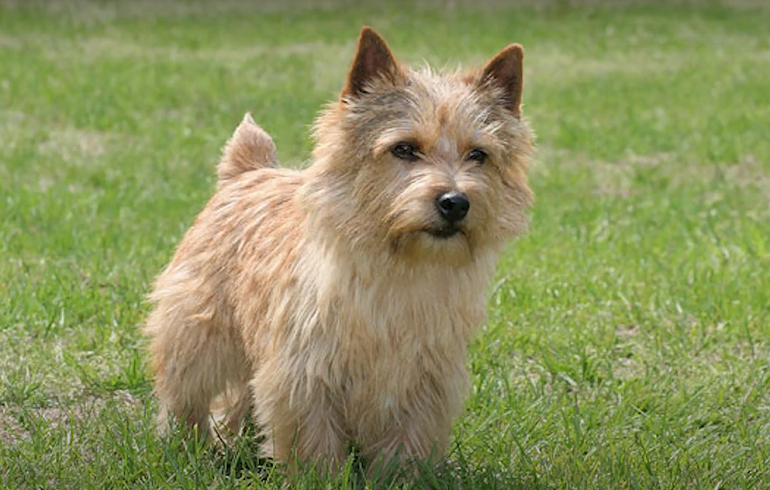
x=336 y=302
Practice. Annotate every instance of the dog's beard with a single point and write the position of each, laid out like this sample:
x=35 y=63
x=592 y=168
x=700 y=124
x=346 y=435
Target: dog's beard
x=447 y=245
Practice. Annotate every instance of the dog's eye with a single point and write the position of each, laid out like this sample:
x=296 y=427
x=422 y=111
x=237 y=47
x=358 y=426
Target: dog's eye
x=477 y=155
x=405 y=151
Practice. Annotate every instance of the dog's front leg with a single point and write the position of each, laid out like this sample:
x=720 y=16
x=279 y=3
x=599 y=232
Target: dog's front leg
x=303 y=434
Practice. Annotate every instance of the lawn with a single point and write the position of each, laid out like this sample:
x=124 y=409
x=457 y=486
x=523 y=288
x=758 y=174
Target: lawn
x=628 y=340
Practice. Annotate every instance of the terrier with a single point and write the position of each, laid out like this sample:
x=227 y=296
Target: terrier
x=337 y=302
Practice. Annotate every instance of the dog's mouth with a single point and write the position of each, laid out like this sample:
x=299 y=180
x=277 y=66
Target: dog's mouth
x=436 y=243
x=445 y=232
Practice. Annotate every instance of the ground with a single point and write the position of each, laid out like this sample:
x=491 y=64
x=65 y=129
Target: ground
x=629 y=333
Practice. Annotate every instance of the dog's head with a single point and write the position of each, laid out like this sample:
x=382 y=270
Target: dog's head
x=431 y=166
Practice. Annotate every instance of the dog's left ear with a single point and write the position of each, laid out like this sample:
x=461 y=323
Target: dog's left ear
x=373 y=62
x=506 y=72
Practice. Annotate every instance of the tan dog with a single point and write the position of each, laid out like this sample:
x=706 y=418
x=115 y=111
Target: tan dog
x=338 y=301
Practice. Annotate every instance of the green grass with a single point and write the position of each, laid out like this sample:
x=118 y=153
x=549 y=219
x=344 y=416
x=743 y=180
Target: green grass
x=629 y=333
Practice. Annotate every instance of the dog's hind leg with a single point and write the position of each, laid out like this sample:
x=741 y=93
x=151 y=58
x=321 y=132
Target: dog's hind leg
x=230 y=408
x=195 y=354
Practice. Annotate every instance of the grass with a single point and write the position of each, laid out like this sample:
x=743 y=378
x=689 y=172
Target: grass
x=629 y=333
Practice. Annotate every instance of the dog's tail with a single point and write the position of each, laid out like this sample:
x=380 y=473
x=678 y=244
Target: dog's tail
x=250 y=148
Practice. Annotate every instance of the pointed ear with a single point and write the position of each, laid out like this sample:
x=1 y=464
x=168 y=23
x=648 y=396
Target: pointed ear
x=373 y=61
x=506 y=72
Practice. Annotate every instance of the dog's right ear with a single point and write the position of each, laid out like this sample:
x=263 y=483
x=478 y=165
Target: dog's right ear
x=373 y=62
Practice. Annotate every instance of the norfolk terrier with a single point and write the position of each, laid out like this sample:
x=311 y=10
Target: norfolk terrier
x=336 y=302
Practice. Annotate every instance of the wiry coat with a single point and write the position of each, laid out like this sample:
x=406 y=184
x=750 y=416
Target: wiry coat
x=324 y=298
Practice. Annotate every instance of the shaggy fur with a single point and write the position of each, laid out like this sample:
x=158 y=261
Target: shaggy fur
x=333 y=301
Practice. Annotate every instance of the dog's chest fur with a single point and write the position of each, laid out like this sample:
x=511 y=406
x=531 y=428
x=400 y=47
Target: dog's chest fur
x=377 y=338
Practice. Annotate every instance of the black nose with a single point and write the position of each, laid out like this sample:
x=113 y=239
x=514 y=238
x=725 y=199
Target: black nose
x=453 y=206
